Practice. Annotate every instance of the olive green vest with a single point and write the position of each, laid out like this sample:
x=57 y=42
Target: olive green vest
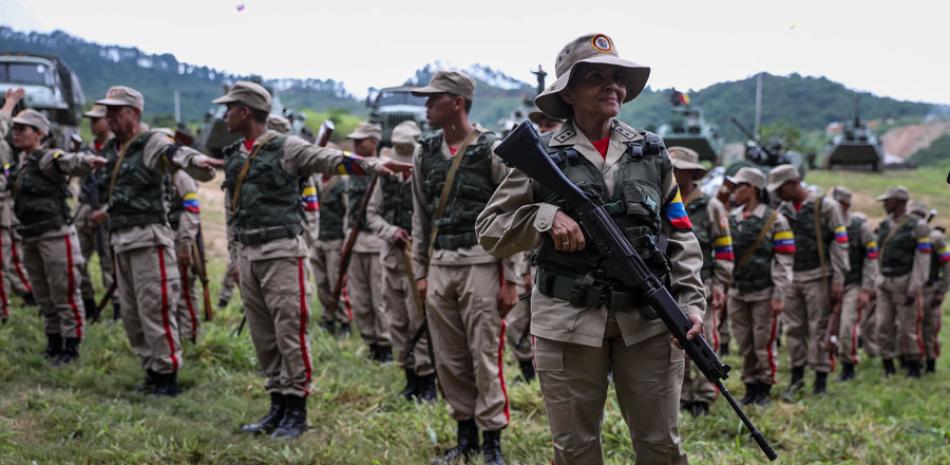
x=698 y=212
x=806 y=244
x=635 y=207
x=471 y=190
x=139 y=195
x=233 y=162
x=857 y=251
x=897 y=255
x=38 y=201
x=268 y=206
x=397 y=202
x=356 y=187
x=756 y=273
x=331 y=211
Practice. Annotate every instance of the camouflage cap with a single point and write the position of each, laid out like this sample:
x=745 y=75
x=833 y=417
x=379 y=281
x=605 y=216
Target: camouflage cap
x=751 y=176
x=248 y=93
x=918 y=208
x=406 y=132
x=594 y=49
x=278 y=123
x=34 y=119
x=97 y=111
x=366 y=131
x=841 y=194
x=684 y=158
x=123 y=96
x=782 y=174
x=450 y=82
x=895 y=192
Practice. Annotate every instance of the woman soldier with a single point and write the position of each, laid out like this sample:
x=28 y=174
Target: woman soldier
x=584 y=321
x=50 y=243
x=764 y=248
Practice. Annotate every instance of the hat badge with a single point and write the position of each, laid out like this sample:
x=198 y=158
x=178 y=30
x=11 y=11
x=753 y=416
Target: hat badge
x=601 y=43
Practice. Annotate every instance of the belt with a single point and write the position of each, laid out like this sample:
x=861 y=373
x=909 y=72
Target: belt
x=262 y=235
x=39 y=227
x=585 y=291
x=894 y=272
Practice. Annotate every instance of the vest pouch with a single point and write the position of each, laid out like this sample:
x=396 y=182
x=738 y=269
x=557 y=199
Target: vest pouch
x=642 y=201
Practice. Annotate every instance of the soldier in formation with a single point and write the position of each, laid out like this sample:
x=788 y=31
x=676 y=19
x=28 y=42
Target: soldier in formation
x=930 y=313
x=184 y=217
x=12 y=275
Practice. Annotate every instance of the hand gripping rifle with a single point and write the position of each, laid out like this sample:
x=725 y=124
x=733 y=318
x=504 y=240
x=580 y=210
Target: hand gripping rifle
x=523 y=150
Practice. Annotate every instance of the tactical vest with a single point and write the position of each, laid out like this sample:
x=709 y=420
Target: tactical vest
x=268 y=206
x=698 y=212
x=139 y=195
x=470 y=193
x=356 y=187
x=397 y=202
x=233 y=162
x=635 y=206
x=756 y=273
x=936 y=266
x=897 y=255
x=857 y=251
x=331 y=212
x=806 y=245
x=38 y=201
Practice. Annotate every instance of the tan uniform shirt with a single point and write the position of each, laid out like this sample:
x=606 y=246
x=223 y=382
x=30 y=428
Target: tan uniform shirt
x=422 y=226
x=514 y=220
x=781 y=262
x=832 y=222
x=391 y=256
x=721 y=237
x=871 y=268
x=189 y=221
x=300 y=159
x=921 y=269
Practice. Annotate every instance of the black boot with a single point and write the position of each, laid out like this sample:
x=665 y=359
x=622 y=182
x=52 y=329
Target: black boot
x=329 y=326
x=29 y=299
x=821 y=383
x=913 y=368
x=69 y=354
x=425 y=388
x=294 y=422
x=527 y=370
x=384 y=354
x=931 y=365
x=796 y=384
x=54 y=346
x=699 y=409
x=889 y=369
x=765 y=394
x=344 y=330
x=222 y=302
x=724 y=349
x=467 y=447
x=116 y=312
x=167 y=385
x=92 y=310
x=268 y=423
x=412 y=384
x=751 y=393
x=847 y=372
x=151 y=381
x=491 y=448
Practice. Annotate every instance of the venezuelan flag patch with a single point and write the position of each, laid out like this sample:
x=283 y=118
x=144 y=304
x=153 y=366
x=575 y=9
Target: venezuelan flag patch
x=676 y=213
x=841 y=235
x=923 y=245
x=722 y=248
x=350 y=165
x=191 y=204
x=309 y=198
x=783 y=242
x=871 y=248
x=945 y=254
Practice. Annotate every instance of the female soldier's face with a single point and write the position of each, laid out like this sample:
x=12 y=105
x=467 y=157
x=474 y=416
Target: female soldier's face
x=742 y=193
x=597 y=91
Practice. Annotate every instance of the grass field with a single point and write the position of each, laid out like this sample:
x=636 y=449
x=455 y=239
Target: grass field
x=88 y=413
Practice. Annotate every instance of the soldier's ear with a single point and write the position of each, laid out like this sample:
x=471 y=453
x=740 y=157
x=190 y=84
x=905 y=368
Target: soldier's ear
x=567 y=95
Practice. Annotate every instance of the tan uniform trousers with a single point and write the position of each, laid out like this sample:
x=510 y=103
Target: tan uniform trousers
x=187 y=310
x=806 y=316
x=228 y=283
x=326 y=270
x=7 y=275
x=87 y=243
x=849 y=327
x=897 y=321
x=148 y=289
x=404 y=320
x=276 y=302
x=518 y=322
x=930 y=326
x=468 y=338
x=364 y=282
x=14 y=273
x=868 y=330
x=647 y=377
x=755 y=328
x=696 y=388
x=53 y=264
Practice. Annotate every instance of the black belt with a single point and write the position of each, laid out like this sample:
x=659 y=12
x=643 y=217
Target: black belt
x=262 y=235
x=895 y=272
x=585 y=291
x=39 y=227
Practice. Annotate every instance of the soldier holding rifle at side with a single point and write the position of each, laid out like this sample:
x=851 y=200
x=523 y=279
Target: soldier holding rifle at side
x=931 y=312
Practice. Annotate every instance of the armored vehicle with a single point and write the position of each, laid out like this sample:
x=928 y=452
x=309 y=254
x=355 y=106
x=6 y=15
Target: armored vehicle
x=687 y=128
x=855 y=147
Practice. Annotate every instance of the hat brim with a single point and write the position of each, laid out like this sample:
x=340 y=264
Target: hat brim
x=687 y=166
x=635 y=80
x=427 y=90
x=26 y=122
x=90 y=114
x=110 y=102
x=364 y=135
x=537 y=116
x=884 y=197
x=224 y=100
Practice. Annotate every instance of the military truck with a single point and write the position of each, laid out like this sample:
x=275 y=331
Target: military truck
x=855 y=147
x=51 y=87
x=687 y=128
x=390 y=106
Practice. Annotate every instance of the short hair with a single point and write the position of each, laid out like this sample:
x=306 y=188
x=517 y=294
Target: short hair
x=259 y=115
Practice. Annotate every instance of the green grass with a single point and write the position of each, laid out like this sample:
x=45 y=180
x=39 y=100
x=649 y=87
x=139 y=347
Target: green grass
x=88 y=413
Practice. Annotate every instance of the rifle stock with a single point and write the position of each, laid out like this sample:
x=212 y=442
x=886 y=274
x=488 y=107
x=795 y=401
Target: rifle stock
x=523 y=150
x=198 y=252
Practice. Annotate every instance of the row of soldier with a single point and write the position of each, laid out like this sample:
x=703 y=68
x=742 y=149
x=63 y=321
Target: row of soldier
x=441 y=255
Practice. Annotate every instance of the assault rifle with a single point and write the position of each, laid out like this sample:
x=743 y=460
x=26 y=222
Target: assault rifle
x=523 y=150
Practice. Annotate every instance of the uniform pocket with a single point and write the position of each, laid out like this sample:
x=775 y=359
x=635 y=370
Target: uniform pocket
x=641 y=201
x=549 y=360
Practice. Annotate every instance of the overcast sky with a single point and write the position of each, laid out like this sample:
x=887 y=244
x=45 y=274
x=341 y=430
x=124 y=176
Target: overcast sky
x=890 y=48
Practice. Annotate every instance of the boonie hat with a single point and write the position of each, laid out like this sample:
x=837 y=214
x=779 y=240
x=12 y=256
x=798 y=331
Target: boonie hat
x=751 y=176
x=406 y=132
x=685 y=158
x=97 y=111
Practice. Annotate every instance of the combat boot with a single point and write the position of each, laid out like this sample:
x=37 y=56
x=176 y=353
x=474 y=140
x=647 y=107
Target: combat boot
x=425 y=388
x=412 y=384
x=724 y=349
x=931 y=365
x=527 y=370
x=92 y=310
x=69 y=354
x=294 y=422
x=29 y=299
x=328 y=326
x=821 y=383
x=491 y=448
x=268 y=423
x=795 y=385
x=889 y=369
x=764 y=395
x=847 y=372
x=384 y=354
x=222 y=302
x=54 y=346
x=913 y=368
x=467 y=447
x=699 y=408
x=751 y=393
x=345 y=331
x=166 y=385
x=151 y=380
